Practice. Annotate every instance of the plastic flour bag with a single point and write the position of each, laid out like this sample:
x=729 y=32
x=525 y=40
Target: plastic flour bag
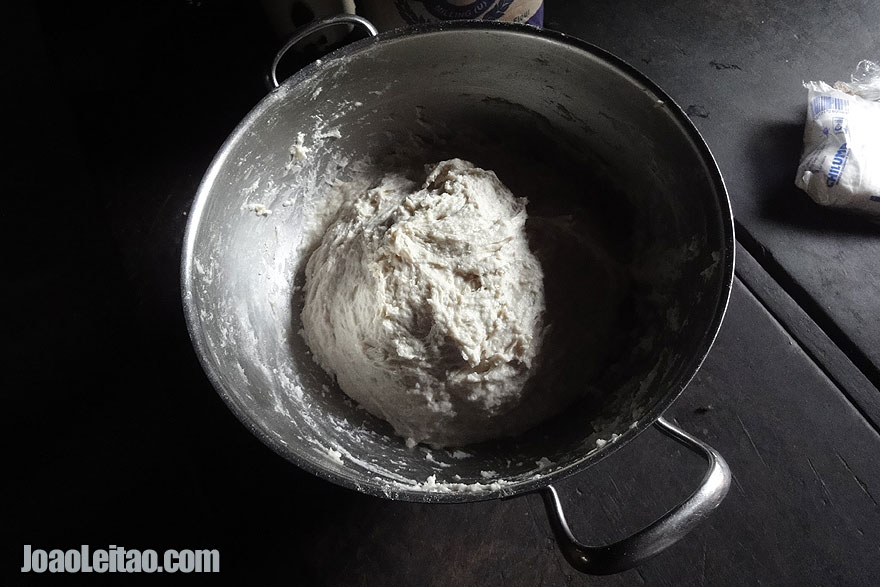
x=840 y=166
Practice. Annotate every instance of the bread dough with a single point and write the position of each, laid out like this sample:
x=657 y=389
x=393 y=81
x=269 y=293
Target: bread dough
x=427 y=305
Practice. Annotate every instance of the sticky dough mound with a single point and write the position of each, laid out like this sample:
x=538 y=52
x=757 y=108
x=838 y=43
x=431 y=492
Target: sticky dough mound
x=427 y=305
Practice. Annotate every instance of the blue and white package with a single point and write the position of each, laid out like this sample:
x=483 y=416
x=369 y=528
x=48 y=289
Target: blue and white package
x=840 y=166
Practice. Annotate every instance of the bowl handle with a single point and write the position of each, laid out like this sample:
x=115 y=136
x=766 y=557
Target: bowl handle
x=663 y=533
x=312 y=27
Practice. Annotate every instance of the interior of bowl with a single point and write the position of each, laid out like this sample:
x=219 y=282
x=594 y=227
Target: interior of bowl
x=561 y=123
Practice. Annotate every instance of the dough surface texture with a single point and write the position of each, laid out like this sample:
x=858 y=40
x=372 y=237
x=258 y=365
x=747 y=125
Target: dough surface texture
x=427 y=305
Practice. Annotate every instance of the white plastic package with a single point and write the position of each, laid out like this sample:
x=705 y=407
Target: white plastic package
x=840 y=166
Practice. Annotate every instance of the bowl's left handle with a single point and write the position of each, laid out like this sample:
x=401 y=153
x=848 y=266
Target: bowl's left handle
x=663 y=533
x=312 y=27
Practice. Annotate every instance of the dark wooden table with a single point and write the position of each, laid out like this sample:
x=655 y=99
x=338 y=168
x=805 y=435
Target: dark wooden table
x=117 y=437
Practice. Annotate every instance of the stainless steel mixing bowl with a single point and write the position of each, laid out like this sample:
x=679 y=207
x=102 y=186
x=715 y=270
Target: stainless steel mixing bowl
x=620 y=148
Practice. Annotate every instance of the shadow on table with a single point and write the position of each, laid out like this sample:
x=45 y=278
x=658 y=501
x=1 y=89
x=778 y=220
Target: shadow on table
x=775 y=152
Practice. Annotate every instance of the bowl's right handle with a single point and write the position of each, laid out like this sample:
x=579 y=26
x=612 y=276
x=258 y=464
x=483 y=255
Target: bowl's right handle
x=313 y=27
x=663 y=533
